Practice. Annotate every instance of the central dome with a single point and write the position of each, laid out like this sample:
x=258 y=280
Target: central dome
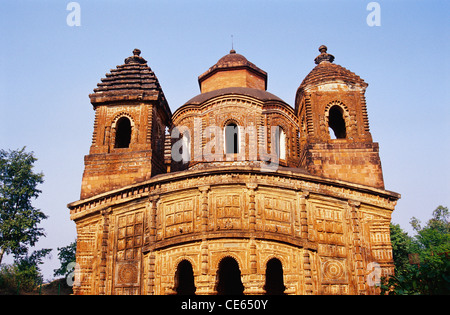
x=233 y=70
x=233 y=59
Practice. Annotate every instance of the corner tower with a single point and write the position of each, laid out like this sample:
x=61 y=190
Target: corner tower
x=131 y=113
x=335 y=139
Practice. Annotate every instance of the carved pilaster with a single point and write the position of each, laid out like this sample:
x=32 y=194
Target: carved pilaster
x=254 y=281
x=355 y=248
x=152 y=218
x=253 y=265
x=304 y=216
x=204 y=219
x=251 y=205
x=204 y=255
x=104 y=250
x=308 y=288
x=204 y=207
x=252 y=225
x=151 y=222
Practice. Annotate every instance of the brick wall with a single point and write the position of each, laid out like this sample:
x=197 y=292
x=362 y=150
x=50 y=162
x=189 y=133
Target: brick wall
x=232 y=78
x=353 y=162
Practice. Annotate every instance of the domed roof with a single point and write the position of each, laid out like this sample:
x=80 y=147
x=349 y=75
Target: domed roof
x=326 y=71
x=233 y=61
x=133 y=80
x=258 y=94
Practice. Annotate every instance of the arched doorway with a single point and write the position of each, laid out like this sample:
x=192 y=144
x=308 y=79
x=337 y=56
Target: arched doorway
x=274 y=278
x=229 y=278
x=184 y=279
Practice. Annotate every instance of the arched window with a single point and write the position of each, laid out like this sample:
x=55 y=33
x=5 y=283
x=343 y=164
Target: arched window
x=229 y=274
x=280 y=143
x=186 y=141
x=336 y=122
x=231 y=138
x=184 y=279
x=274 y=278
x=123 y=133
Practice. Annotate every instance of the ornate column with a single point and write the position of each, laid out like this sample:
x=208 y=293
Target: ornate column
x=204 y=220
x=253 y=282
x=304 y=226
x=104 y=250
x=307 y=272
x=251 y=205
x=356 y=258
x=151 y=223
x=204 y=281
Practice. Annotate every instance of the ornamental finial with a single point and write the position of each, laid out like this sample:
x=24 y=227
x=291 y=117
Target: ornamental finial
x=136 y=58
x=324 y=56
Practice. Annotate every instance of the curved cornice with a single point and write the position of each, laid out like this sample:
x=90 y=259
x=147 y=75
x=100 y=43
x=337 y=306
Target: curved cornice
x=304 y=181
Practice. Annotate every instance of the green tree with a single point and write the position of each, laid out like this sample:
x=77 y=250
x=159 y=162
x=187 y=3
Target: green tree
x=432 y=243
x=401 y=282
x=66 y=255
x=18 y=218
x=28 y=274
x=401 y=248
x=24 y=275
x=430 y=274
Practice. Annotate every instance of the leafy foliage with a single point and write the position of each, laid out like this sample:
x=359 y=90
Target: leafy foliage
x=8 y=283
x=18 y=217
x=24 y=275
x=66 y=255
x=28 y=272
x=430 y=274
x=19 y=221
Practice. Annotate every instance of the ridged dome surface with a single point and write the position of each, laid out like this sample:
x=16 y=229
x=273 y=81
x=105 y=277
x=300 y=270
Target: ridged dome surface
x=230 y=61
x=327 y=71
x=132 y=80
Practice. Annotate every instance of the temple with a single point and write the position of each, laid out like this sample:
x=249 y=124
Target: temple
x=236 y=191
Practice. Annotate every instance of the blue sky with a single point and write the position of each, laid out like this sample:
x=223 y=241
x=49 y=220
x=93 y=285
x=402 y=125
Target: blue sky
x=47 y=70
